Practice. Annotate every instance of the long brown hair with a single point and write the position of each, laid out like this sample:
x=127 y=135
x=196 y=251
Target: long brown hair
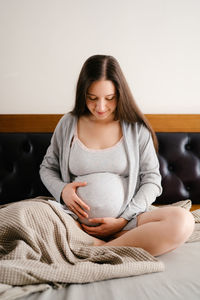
x=106 y=67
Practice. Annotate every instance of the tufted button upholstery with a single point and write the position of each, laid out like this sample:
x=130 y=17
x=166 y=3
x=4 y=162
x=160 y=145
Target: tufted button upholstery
x=22 y=153
x=20 y=157
x=179 y=156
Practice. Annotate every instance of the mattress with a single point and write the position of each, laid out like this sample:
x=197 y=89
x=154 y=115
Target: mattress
x=180 y=280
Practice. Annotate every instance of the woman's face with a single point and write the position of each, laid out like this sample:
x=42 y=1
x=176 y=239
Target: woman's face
x=101 y=100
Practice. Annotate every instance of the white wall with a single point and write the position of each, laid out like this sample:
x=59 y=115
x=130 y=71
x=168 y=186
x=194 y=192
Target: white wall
x=43 y=44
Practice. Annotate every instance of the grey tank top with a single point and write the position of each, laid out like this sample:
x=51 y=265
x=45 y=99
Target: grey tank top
x=106 y=174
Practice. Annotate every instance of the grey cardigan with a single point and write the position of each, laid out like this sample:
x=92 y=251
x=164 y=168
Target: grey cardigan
x=144 y=177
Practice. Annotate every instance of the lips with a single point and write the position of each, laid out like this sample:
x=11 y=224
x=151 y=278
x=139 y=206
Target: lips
x=101 y=112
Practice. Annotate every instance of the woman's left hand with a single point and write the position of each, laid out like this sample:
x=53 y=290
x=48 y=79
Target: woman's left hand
x=107 y=227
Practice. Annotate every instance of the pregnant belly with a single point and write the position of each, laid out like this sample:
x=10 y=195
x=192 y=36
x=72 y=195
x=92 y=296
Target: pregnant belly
x=104 y=194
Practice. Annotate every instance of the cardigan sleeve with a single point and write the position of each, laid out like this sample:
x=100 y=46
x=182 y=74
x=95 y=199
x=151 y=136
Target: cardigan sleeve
x=149 y=185
x=50 y=167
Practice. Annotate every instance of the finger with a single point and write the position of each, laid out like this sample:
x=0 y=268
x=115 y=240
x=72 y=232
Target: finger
x=96 y=220
x=92 y=229
x=92 y=233
x=81 y=203
x=89 y=230
x=79 y=211
x=80 y=215
x=79 y=183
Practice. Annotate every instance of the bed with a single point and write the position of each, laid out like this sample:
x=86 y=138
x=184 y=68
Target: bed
x=23 y=143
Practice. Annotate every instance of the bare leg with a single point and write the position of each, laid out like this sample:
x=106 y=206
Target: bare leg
x=158 y=231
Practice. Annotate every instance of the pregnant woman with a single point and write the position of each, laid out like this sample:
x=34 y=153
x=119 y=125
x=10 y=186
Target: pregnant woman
x=103 y=168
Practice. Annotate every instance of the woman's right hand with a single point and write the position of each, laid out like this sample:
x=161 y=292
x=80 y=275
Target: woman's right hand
x=73 y=202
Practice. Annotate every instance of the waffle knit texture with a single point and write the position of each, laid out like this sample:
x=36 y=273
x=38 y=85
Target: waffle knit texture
x=41 y=245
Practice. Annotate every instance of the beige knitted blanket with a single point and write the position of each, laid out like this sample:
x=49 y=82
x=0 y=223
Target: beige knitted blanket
x=40 y=244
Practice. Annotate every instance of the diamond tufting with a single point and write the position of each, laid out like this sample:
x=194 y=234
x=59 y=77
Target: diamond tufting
x=179 y=156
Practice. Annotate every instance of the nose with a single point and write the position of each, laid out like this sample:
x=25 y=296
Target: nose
x=101 y=105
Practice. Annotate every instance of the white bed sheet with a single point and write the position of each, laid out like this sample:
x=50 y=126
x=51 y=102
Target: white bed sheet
x=180 y=280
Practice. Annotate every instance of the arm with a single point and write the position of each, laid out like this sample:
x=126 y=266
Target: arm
x=149 y=186
x=50 y=167
x=54 y=172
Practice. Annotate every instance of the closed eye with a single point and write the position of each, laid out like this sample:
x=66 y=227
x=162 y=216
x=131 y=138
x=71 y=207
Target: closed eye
x=92 y=98
x=110 y=98
x=95 y=98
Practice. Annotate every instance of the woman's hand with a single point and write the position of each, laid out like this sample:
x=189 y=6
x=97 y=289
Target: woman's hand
x=107 y=227
x=73 y=202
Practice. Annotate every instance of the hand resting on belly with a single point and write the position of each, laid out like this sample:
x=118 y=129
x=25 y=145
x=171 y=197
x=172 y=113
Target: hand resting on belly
x=104 y=194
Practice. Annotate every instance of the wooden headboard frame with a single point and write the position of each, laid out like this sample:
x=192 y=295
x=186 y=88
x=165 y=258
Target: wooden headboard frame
x=47 y=123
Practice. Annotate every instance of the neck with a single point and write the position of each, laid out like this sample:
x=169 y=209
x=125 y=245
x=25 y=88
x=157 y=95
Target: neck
x=105 y=121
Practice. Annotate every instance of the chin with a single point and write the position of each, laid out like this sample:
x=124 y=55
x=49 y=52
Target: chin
x=104 y=116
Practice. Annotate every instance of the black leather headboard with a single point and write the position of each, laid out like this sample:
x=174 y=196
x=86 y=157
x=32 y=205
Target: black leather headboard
x=20 y=157
x=22 y=153
x=179 y=156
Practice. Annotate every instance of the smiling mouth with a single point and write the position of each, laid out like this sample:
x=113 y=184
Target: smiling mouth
x=101 y=112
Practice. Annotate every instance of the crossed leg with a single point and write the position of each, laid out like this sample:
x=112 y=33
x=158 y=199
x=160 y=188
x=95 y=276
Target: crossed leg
x=158 y=231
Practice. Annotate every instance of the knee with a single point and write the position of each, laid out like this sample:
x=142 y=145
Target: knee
x=182 y=224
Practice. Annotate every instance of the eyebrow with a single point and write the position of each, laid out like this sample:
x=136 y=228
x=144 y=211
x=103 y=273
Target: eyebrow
x=95 y=95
